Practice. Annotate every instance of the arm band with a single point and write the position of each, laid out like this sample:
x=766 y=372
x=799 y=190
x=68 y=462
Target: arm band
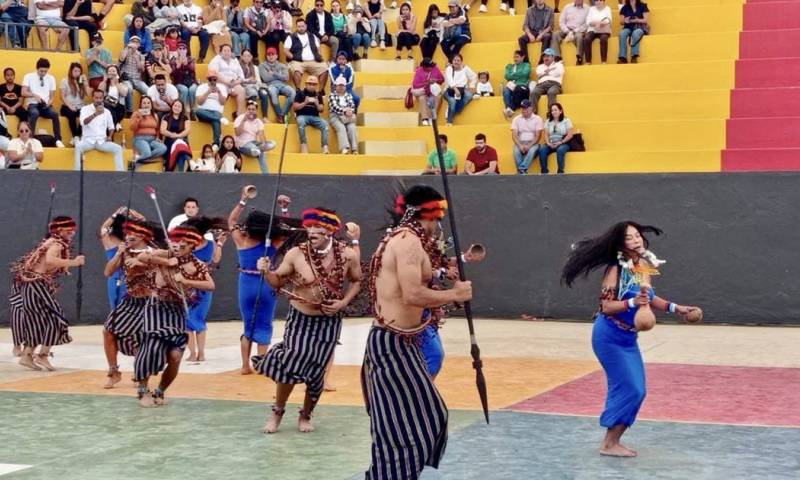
x=671 y=307
x=464 y=258
x=631 y=303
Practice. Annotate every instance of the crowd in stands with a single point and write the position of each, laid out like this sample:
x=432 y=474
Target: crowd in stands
x=157 y=62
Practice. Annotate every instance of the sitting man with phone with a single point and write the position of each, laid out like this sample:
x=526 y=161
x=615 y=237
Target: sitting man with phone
x=98 y=129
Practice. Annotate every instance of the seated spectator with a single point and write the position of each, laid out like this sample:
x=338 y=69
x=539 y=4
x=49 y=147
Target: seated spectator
x=175 y=129
x=468 y=4
x=163 y=95
x=158 y=63
x=558 y=132
x=526 y=130
x=108 y=5
x=215 y=23
x=250 y=138
x=343 y=69
x=484 y=87
x=144 y=126
x=115 y=94
x=211 y=97
x=459 y=85
x=79 y=14
x=11 y=98
x=538 y=27
x=191 y=20
x=339 y=21
x=137 y=29
x=481 y=159
x=320 y=24
x=374 y=13
x=4 y=137
x=549 y=78
x=16 y=12
x=39 y=88
x=235 y=21
x=295 y=7
x=73 y=89
x=250 y=79
x=98 y=59
x=275 y=78
x=230 y=75
x=132 y=67
x=171 y=42
x=406 y=31
x=456 y=31
x=142 y=8
x=504 y=6
x=229 y=157
x=207 y=163
x=598 y=25
x=48 y=15
x=450 y=160
x=184 y=78
x=256 y=24
x=308 y=103
x=572 y=28
x=279 y=25
x=98 y=129
x=342 y=109
x=634 y=17
x=426 y=87
x=432 y=31
x=360 y=32
x=302 y=52
x=166 y=16
x=24 y=152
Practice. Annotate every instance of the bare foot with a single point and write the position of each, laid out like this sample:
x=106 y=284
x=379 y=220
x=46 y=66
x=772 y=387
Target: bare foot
x=201 y=358
x=147 y=401
x=160 y=401
x=304 y=423
x=329 y=388
x=274 y=421
x=192 y=358
x=634 y=452
x=43 y=362
x=114 y=377
x=27 y=361
x=16 y=351
x=246 y=370
x=616 y=451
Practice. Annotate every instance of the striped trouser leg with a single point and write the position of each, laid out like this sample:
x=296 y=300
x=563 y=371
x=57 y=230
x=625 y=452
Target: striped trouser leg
x=44 y=319
x=164 y=330
x=151 y=357
x=16 y=315
x=125 y=322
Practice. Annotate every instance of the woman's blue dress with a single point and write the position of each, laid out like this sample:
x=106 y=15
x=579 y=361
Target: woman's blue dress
x=257 y=330
x=115 y=284
x=198 y=311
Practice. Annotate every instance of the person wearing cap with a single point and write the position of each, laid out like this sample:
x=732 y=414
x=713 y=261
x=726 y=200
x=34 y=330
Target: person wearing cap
x=549 y=78
x=211 y=97
x=235 y=22
x=343 y=110
x=279 y=24
x=537 y=27
x=572 y=28
x=343 y=69
x=256 y=24
x=360 y=32
x=132 y=66
x=137 y=29
x=184 y=77
x=48 y=15
x=191 y=19
x=250 y=137
x=98 y=130
x=98 y=58
x=526 y=130
x=320 y=24
x=456 y=30
x=275 y=83
x=304 y=56
x=307 y=106
x=157 y=62
x=427 y=88
x=79 y=14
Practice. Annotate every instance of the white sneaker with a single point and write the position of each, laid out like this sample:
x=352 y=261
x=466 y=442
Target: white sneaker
x=511 y=12
x=503 y=6
x=345 y=151
x=325 y=149
x=508 y=112
x=224 y=121
x=426 y=123
x=118 y=127
x=59 y=144
x=383 y=45
x=467 y=7
x=482 y=9
x=303 y=148
x=74 y=140
x=373 y=44
x=215 y=148
x=393 y=5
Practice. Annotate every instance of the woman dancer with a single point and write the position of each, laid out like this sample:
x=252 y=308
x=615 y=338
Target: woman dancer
x=112 y=236
x=626 y=299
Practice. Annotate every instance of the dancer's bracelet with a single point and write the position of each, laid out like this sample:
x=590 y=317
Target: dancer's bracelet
x=671 y=307
x=631 y=303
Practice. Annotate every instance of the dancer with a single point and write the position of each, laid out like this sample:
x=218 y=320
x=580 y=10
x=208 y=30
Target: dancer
x=317 y=269
x=408 y=420
x=111 y=236
x=42 y=319
x=625 y=300
x=123 y=326
x=163 y=335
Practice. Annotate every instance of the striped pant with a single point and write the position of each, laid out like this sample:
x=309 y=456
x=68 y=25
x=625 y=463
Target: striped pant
x=308 y=343
x=125 y=322
x=164 y=331
x=43 y=320
x=16 y=316
x=408 y=418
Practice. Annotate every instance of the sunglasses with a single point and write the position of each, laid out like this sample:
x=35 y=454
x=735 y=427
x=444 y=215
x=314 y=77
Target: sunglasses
x=41 y=82
x=24 y=130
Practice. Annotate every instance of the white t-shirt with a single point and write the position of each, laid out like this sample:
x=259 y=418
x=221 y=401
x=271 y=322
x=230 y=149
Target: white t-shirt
x=178 y=219
x=459 y=78
x=170 y=91
x=44 y=86
x=191 y=16
x=528 y=129
x=208 y=165
x=51 y=13
x=97 y=129
x=307 y=55
x=321 y=23
x=544 y=73
x=213 y=101
x=18 y=146
x=227 y=71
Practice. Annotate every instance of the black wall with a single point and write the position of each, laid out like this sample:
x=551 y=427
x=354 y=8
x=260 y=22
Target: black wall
x=730 y=239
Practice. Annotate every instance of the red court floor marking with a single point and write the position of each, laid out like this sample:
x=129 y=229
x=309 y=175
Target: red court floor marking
x=690 y=393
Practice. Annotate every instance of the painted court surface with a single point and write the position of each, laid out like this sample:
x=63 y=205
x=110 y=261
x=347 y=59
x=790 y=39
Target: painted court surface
x=723 y=403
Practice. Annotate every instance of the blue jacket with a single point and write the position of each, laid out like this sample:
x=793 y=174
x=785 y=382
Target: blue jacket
x=347 y=72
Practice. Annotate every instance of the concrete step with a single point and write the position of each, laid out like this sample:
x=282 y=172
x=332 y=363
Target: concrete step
x=389 y=119
x=385 y=66
x=388 y=92
x=400 y=148
x=393 y=173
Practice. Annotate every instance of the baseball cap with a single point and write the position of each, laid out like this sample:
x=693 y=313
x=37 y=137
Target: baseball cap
x=525 y=104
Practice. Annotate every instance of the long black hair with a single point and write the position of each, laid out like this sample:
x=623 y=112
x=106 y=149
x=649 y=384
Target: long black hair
x=413 y=196
x=203 y=224
x=592 y=253
x=429 y=16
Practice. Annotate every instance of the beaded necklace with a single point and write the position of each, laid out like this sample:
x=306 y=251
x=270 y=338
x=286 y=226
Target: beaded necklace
x=23 y=267
x=330 y=281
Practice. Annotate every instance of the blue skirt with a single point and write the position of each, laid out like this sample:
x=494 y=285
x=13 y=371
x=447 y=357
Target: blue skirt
x=260 y=330
x=432 y=349
x=198 y=312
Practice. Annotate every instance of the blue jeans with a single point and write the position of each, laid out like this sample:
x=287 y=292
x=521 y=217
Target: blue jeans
x=454 y=107
x=240 y=40
x=561 y=152
x=186 y=94
x=186 y=36
x=361 y=40
x=258 y=150
x=635 y=37
x=212 y=117
x=524 y=161
x=316 y=122
x=274 y=91
x=148 y=147
x=137 y=85
x=108 y=147
x=17 y=35
x=378 y=29
x=35 y=111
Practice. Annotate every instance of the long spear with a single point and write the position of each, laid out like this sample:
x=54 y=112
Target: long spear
x=475 y=351
x=79 y=294
x=50 y=208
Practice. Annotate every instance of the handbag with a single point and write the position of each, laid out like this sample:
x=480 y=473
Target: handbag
x=576 y=144
x=409 y=100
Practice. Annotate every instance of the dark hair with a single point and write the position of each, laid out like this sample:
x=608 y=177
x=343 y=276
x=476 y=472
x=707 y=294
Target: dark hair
x=301 y=19
x=116 y=227
x=207 y=146
x=224 y=151
x=480 y=136
x=592 y=253
x=428 y=17
x=7 y=69
x=461 y=57
x=42 y=63
x=520 y=53
x=203 y=224
x=406 y=4
x=190 y=199
x=132 y=29
x=182 y=117
x=160 y=76
x=73 y=84
x=550 y=112
x=443 y=137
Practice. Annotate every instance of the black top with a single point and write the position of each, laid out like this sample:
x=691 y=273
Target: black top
x=84 y=9
x=312 y=20
x=310 y=109
x=10 y=97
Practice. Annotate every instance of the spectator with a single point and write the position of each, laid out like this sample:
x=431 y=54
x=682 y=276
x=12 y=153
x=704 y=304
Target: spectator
x=166 y=16
x=459 y=83
x=171 y=41
x=115 y=94
x=144 y=9
x=456 y=31
x=484 y=87
x=295 y=7
x=163 y=95
x=481 y=159
x=73 y=89
x=550 y=77
x=526 y=130
x=158 y=63
x=191 y=208
x=137 y=29
x=79 y=14
x=230 y=76
x=250 y=138
x=450 y=160
x=144 y=125
x=511 y=11
x=406 y=31
x=98 y=129
x=275 y=77
x=320 y=24
x=251 y=82
x=374 y=13
x=15 y=12
x=40 y=89
x=432 y=31
x=538 y=27
x=360 y=32
x=339 y=21
x=634 y=17
x=98 y=59
x=192 y=24
x=279 y=23
x=308 y=103
x=302 y=51
x=11 y=98
x=215 y=23
x=211 y=99
x=207 y=162
x=229 y=157
x=175 y=129
x=342 y=109
x=572 y=28
x=467 y=5
x=426 y=87
x=132 y=69
x=343 y=69
x=48 y=15
x=257 y=24
x=558 y=132
x=598 y=25
x=239 y=37
x=24 y=152
x=184 y=78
